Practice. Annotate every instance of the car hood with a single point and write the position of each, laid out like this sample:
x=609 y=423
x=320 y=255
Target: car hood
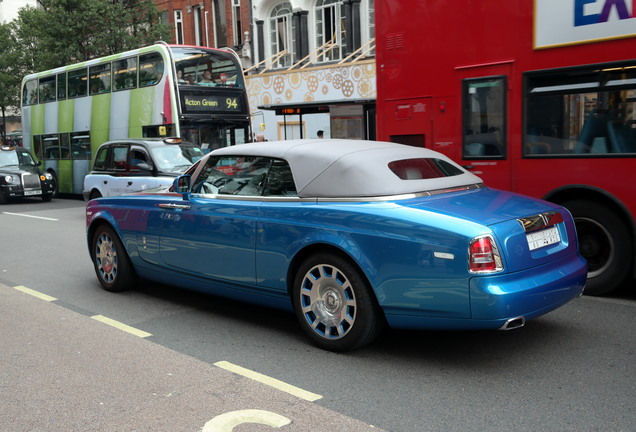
x=17 y=170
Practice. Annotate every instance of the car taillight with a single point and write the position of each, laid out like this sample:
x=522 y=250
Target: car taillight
x=483 y=255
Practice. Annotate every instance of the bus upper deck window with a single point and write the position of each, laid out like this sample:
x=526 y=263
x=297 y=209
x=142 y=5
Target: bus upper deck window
x=150 y=69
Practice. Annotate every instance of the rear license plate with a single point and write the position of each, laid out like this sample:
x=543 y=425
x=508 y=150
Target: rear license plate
x=32 y=192
x=546 y=237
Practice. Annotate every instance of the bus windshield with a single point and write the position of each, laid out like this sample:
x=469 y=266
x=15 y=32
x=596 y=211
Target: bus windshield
x=198 y=67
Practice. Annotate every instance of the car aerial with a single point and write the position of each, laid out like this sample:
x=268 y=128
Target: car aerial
x=131 y=165
x=350 y=235
x=20 y=176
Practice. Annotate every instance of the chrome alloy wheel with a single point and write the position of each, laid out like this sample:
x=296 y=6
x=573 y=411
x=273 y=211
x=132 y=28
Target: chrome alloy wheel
x=328 y=301
x=106 y=258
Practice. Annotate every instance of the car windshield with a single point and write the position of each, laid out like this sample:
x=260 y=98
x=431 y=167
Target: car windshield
x=175 y=158
x=16 y=157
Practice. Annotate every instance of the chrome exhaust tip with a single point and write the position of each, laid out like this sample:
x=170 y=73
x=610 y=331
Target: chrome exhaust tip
x=513 y=323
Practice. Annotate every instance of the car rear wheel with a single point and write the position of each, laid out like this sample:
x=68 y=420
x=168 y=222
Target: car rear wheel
x=112 y=265
x=95 y=194
x=334 y=303
x=604 y=241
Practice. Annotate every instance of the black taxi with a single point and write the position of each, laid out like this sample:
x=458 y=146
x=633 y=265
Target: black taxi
x=21 y=177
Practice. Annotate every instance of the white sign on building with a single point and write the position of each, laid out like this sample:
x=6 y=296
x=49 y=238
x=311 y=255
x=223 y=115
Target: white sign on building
x=570 y=22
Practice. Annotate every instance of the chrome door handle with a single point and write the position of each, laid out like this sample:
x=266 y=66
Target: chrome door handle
x=175 y=206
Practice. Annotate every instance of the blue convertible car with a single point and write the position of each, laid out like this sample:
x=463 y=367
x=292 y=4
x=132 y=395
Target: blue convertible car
x=351 y=235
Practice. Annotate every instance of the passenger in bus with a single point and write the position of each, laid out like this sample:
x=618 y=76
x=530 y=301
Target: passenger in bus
x=207 y=78
x=180 y=78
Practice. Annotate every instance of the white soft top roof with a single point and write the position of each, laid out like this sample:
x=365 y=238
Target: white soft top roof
x=349 y=168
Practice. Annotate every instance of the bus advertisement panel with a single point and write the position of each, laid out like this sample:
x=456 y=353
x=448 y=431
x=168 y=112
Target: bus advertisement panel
x=537 y=97
x=162 y=90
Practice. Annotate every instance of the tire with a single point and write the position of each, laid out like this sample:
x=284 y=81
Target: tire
x=95 y=194
x=334 y=303
x=47 y=197
x=55 y=185
x=110 y=260
x=3 y=199
x=605 y=242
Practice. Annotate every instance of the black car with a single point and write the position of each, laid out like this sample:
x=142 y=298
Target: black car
x=21 y=177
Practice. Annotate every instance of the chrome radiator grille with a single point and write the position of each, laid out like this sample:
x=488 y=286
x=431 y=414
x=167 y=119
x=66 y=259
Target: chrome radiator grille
x=31 y=181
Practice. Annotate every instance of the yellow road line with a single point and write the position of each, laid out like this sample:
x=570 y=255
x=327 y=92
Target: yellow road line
x=272 y=382
x=35 y=293
x=121 y=326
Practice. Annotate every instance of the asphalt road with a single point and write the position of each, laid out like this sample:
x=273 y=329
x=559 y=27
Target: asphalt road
x=571 y=370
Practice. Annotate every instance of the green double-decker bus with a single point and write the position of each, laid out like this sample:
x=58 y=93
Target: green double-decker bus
x=195 y=93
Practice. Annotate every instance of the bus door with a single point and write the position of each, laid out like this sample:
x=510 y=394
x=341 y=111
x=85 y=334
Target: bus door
x=408 y=121
x=484 y=135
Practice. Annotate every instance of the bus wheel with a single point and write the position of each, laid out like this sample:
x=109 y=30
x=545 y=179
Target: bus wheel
x=55 y=187
x=604 y=241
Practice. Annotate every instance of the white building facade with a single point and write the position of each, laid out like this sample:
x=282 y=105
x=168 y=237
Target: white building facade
x=313 y=69
x=9 y=8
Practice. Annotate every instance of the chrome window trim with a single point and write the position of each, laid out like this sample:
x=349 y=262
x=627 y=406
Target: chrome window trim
x=340 y=199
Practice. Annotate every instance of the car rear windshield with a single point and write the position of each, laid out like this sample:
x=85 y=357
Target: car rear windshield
x=423 y=168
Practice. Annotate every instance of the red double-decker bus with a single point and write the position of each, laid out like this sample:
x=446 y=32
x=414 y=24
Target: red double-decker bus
x=536 y=96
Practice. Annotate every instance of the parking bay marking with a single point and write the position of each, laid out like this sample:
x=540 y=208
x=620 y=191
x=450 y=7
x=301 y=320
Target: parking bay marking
x=272 y=382
x=121 y=326
x=30 y=216
x=264 y=379
x=35 y=293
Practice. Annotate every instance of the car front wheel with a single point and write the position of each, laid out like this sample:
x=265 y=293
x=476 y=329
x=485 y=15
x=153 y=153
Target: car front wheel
x=334 y=303
x=112 y=265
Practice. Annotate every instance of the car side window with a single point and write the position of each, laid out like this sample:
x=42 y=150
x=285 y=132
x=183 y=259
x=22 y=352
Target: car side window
x=233 y=175
x=101 y=158
x=137 y=156
x=118 y=159
x=280 y=181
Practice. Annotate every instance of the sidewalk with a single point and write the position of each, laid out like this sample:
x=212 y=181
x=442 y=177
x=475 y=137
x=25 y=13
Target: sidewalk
x=63 y=371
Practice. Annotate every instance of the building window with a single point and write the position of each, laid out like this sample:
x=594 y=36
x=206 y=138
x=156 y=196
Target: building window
x=197 y=13
x=237 y=29
x=178 y=27
x=220 y=32
x=330 y=30
x=281 y=30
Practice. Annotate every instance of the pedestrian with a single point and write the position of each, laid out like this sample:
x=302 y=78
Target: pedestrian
x=320 y=134
x=260 y=137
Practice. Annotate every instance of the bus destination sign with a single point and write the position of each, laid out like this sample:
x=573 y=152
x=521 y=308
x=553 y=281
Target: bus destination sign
x=203 y=103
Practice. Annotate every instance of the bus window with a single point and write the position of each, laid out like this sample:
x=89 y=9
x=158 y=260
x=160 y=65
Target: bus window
x=150 y=69
x=100 y=79
x=65 y=146
x=30 y=93
x=581 y=112
x=61 y=86
x=484 y=118
x=125 y=74
x=80 y=145
x=77 y=83
x=51 y=147
x=47 y=89
x=37 y=146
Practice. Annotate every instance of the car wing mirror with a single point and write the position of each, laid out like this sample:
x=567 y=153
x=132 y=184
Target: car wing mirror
x=182 y=185
x=145 y=166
